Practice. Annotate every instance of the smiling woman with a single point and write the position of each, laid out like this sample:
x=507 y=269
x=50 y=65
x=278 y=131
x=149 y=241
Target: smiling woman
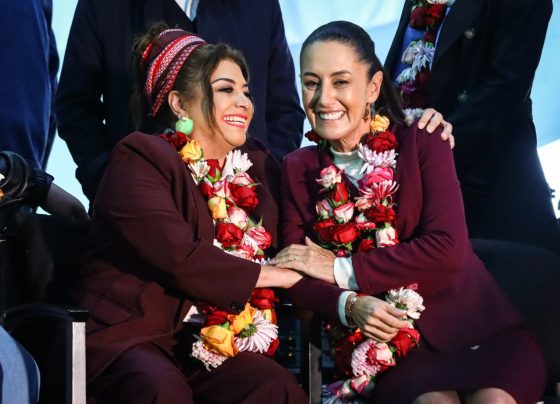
x=182 y=224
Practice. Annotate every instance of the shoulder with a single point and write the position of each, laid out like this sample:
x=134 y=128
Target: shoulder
x=151 y=148
x=302 y=158
x=412 y=139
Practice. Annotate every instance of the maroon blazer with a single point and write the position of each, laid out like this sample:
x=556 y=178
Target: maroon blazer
x=464 y=305
x=151 y=254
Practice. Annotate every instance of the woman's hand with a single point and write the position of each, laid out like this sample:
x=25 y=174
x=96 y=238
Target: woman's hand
x=310 y=259
x=377 y=319
x=61 y=203
x=276 y=277
x=431 y=120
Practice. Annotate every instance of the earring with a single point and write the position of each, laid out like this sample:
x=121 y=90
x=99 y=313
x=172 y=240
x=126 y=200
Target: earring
x=367 y=112
x=184 y=124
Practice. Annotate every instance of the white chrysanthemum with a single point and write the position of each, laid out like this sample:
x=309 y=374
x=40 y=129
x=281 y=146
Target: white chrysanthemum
x=236 y=162
x=408 y=74
x=262 y=261
x=1 y=177
x=448 y=2
x=422 y=55
x=263 y=334
x=406 y=299
x=372 y=159
x=410 y=114
x=199 y=170
x=208 y=358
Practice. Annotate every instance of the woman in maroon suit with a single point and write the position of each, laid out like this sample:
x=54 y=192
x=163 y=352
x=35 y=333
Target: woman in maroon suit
x=402 y=223
x=176 y=233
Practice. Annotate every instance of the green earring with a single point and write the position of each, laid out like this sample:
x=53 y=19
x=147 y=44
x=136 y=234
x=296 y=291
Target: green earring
x=184 y=124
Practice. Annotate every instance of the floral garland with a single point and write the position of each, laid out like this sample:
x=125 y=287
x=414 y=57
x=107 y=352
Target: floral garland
x=413 y=82
x=1 y=191
x=345 y=227
x=231 y=196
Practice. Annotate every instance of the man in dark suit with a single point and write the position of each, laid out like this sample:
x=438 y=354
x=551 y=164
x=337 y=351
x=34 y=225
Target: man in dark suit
x=480 y=78
x=95 y=86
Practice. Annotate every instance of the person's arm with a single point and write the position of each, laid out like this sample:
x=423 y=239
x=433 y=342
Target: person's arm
x=79 y=108
x=136 y=200
x=437 y=251
x=520 y=29
x=284 y=116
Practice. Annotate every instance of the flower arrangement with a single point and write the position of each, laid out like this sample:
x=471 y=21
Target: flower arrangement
x=231 y=197
x=1 y=191
x=413 y=82
x=368 y=222
x=360 y=360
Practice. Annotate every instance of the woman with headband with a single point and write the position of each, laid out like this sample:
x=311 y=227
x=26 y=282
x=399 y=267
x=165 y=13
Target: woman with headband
x=176 y=276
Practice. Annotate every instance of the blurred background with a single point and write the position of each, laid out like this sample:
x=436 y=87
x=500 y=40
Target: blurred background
x=380 y=19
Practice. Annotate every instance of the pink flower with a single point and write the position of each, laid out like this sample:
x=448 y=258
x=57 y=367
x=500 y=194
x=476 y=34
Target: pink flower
x=406 y=299
x=221 y=188
x=363 y=203
x=371 y=357
x=344 y=213
x=386 y=237
x=242 y=179
x=238 y=217
x=363 y=223
x=260 y=235
x=330 y=176
x=379 y=190
x=324 y=208
x=377 y=175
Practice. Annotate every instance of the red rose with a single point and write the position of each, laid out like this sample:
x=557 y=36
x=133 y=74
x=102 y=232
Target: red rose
x=312 y=136
x=176 y=139
x=423 y=78
x=228 y=234
x=244 y=196
x=430 y=36
x=206 y=189
x=217 y=317
x=263 y=298
x=345 y=233
x=435 y=13
x=405 y=340
x=366 y=244
x=272 y=347
x=381 y=214
x=381 y=142
x=339 y=194
x=325 y=229
x=215 y=170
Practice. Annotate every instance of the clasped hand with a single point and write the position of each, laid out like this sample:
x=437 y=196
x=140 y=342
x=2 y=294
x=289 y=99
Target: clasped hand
x=309 y=259
x=377 y=319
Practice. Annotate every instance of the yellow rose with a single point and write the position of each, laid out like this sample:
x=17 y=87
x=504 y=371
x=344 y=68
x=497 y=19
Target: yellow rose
x=218 y=207
x=191 y=152
x=219 y=340
x=380 y=123
x=239 y=321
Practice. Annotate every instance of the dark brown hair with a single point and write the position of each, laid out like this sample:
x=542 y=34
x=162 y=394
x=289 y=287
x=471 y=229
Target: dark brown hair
x=194 y=74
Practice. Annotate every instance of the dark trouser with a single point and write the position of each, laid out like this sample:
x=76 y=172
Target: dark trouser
x=146 y=374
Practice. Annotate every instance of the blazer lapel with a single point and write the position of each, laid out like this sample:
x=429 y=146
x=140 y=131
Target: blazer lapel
x=456 y=23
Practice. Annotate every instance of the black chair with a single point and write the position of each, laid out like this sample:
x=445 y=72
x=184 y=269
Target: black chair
x=39 y=263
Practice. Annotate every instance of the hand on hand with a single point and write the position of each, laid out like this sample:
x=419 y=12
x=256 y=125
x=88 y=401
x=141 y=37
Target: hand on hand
x=377 y=319
x=431 y=120
x=61 y=203
x=310 y=259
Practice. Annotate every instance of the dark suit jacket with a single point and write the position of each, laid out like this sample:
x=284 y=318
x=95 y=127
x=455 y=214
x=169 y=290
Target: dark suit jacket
x=463 y=303
x=481 y=80
x=98 y=62
x=151 y=253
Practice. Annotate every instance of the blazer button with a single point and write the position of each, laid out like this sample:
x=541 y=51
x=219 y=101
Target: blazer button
x=463 y=97
x=470 y=33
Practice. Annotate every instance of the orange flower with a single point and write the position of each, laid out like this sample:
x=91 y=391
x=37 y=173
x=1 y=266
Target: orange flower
x=218 y=207
x=191 y=152
x=380 y=123
x=239 y=321
x=219 y=340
